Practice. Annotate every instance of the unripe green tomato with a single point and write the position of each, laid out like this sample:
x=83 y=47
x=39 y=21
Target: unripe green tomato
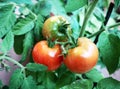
x=56 y=28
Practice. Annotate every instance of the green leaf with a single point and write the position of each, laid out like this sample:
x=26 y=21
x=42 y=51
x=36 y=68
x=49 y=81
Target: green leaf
x=42 y=7
x=80 y=84
x=40 y=87
x=35 y=67
x=20 y=1
x=115 y=31
x=60 y=71
x=48 y=79
x=75 y=26
x=117 y=3
x=107 y=44
x=24 y=25
x=106 y=3
x=108 y=83
x=40 y=76
x=27 y=45
x=94 y=75
x=28 y=83
x=1 y=84
x=103 y=3
x=38 y=27
x=7 y=42
x=57 y=7
x=98 y=13
x=16 y=79
x=45 y=7
x=95 y=21
x=24 y=11
x=66 y=78
x=5 y=87
x=18 y=43
x=74 y=5
x=7 y=18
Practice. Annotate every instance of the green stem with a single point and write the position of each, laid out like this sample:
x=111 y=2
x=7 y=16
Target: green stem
x=96 y=33
x=33 y=14
x=89 y=12
x=50 y=43
x=13 y=61
x=114 y=25
x=103 y=29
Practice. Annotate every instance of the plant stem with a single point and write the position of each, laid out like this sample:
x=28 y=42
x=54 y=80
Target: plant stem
x=89 y=12
x=114 y=25
x=13 y=61
x=103 y=29
x=96 y=33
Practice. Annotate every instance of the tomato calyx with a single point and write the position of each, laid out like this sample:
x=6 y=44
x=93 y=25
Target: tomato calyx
x=63 y=26
x=70 y=43
x=51 y=43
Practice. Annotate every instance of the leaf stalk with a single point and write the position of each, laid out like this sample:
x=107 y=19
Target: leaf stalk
x=12 y=61
x=87 y=16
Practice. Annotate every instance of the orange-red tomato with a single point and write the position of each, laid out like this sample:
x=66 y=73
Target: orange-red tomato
x=82 y=58
x=50 y=57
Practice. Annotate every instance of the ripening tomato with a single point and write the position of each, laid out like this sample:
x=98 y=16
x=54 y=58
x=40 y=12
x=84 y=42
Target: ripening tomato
x=82 y=58
x=55 y=27
x=50 y=57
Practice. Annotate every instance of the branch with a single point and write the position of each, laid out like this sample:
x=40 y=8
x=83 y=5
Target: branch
x=87 y=16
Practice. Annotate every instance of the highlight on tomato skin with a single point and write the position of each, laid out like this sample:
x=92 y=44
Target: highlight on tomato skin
x=82 y=58
x=50 y=57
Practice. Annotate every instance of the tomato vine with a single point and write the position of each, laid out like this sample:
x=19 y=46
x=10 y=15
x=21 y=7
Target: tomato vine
x=85 y=34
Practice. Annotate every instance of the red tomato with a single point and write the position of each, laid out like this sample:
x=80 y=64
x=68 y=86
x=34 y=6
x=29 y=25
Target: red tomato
x=50 y=57
x=82 y=58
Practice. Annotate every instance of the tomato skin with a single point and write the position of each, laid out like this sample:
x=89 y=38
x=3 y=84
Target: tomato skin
x=50 y=57
x=51 y=28
x=82 y=58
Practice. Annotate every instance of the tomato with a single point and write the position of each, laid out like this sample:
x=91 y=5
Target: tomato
x=50 y=57
x=55 y=27
x=82 y=58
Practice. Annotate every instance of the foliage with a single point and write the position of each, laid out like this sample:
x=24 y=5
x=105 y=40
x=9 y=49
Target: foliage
x=112 y=84
x=21 y=23
x=1 y=84
x=109 y=43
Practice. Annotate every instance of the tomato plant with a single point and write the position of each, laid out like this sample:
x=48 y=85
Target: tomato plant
x=55 y=28
x=50 y=57
x=85 y=32
x=82 y=58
